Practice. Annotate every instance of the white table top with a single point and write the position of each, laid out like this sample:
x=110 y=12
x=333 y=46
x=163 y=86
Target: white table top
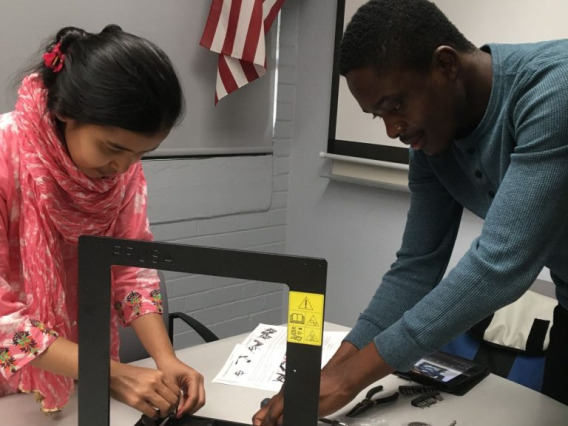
x=494 y=401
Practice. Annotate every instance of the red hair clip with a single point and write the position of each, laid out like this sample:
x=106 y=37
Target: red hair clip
x=54 y=58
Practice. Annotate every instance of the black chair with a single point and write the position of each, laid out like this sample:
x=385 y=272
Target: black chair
x=512 y=342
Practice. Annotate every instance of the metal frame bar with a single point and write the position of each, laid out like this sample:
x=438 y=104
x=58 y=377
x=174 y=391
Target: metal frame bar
x=98 y=254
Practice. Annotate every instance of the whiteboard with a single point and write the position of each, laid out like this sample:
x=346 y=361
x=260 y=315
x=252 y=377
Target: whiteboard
x=241 y=123
x=481 y=21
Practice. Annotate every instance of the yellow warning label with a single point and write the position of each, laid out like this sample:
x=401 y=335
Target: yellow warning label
x=313 y=321
x=305 y=318
x=312 y=337
x=305 y=305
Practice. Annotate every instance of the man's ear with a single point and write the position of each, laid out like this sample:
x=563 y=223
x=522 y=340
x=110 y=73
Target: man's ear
x=447 y=61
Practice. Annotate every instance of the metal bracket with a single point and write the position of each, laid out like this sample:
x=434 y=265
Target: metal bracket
x=98 y=254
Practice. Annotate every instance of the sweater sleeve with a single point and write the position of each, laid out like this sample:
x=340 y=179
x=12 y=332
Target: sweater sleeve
x=522 y=229
x=136 y=291
x=430 y=233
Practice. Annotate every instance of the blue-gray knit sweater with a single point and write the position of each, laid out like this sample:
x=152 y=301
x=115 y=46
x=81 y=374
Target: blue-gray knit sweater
x=512 y=170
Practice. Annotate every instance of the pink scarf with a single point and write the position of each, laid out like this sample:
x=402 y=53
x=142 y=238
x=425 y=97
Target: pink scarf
x=59 y=203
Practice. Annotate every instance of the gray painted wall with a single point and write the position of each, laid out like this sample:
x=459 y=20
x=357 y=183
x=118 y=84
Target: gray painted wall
x=237 y=202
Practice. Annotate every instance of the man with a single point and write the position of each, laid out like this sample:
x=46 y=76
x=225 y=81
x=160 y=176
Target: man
x=488 y=131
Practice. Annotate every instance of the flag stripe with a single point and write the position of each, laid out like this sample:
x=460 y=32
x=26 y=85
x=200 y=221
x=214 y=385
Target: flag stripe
x=237 y=71
x=220 y=91
x=227 y=78
x=247 y=9
x=260 y=54
x=221 y=31
x=253 y=39
x=232 y=27
x=236 y=30
x=249 y=70
x=211 y=25
x=272 y=13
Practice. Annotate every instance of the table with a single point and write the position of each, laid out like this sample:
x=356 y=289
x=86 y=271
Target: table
x=494 y=402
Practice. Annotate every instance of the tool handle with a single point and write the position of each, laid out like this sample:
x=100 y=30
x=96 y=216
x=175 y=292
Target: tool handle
x=373 y=391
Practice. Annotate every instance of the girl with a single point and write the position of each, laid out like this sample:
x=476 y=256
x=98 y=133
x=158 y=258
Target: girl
x=69 y=165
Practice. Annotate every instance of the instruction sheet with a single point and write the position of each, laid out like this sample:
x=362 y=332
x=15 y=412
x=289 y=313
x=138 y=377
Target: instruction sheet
x=260 y=360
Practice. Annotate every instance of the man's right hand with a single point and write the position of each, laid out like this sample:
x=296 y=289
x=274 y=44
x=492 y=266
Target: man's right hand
x=347 y=373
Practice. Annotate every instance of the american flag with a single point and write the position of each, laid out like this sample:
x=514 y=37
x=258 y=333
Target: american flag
x=236 y=29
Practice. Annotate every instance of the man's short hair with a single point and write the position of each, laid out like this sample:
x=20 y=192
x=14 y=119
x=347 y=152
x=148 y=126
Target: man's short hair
x=390 y=34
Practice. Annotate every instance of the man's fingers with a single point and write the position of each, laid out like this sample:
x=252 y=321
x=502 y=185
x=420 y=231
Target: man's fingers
x=259 y=416
x=274 y=410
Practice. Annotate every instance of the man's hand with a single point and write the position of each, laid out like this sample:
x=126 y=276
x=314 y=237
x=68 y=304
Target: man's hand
x=346 y=374
x=333 y=396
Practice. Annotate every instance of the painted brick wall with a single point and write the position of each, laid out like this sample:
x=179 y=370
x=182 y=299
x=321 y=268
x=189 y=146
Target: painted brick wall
x=231 y=306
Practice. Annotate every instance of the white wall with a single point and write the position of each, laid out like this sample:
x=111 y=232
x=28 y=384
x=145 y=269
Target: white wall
x=357 y=229
x=236 y=202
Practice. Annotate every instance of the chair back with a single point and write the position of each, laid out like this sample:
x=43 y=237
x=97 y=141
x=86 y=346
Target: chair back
x=513 y=341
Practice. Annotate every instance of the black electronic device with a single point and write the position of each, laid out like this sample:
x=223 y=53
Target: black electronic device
x=447 y=372
x=98 y=254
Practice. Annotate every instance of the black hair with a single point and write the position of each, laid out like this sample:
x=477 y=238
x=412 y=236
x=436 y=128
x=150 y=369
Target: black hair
x=391 y=34
x=113 y=78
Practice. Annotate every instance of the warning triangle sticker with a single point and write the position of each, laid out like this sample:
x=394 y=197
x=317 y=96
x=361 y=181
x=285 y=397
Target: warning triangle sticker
x=312 y=337
x=306 y=305
x=313 y=321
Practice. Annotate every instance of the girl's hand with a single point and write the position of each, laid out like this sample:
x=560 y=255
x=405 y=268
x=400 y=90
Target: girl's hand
x=189 y=381
x=150 y=391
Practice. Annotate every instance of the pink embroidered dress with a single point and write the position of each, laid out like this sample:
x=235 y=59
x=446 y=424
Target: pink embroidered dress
x=46 y=203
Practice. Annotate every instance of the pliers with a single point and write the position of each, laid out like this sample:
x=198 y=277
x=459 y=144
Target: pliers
x=368 y=402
